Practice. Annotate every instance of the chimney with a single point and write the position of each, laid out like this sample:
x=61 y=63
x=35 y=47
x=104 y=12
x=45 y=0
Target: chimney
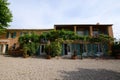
x=97 y=23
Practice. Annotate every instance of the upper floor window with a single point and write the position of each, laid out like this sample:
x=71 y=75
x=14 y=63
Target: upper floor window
x=81 y=33
x=95 y=33
x=11 y=35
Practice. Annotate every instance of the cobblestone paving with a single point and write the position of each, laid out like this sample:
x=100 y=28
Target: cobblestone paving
x=12 y=68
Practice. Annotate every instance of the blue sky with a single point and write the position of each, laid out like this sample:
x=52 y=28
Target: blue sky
x=43 y=14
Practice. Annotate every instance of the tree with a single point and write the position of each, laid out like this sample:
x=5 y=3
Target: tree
x=5 y=15
x=29 y=43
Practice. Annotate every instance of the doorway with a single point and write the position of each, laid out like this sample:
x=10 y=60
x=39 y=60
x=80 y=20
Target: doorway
x=67 y=49
x=42 y=49
x=66 y=52
x=6 y=51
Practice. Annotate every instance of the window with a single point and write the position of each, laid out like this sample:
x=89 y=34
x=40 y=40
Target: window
x=21 y=33
x=95 y=33
x=86 y=32
x=80 y=33
x=13 y=35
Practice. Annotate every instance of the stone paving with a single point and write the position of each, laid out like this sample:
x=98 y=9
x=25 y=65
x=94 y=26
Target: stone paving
x=17 y=68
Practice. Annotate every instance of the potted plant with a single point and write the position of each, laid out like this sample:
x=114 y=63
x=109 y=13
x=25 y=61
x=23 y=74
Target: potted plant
x=56 y=48
x=48 y=53
x=47 y=50
x=74 y=56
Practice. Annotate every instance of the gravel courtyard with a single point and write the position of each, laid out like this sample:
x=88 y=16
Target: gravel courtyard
x=12 y=68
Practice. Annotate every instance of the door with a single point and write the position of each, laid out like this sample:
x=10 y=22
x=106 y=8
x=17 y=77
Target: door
x=42 y=49
x=6 y=48
x=65 y=49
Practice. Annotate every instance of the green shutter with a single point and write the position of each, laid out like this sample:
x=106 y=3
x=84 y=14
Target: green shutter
x=63 y=52
x=91 y=53
x=105 y=49
x=38 y=50
x=14 y=34
x=88 y=49
x=95 y=48
x=7 y=35
x=78 y=49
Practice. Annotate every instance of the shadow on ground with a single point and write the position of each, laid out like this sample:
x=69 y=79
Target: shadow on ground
x=90 y=74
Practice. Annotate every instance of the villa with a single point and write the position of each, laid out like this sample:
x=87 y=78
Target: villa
x=9 y=39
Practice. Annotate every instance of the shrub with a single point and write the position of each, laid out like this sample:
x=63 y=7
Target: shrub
x=53 y=49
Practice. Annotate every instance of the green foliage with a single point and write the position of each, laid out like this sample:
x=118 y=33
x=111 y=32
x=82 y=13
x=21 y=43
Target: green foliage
x=116 y=48
x=24 y=39
x=102 y=38
x=5 y=15
x=26 y=49
x=47 y=49
x=54 y=48
x=34 y=37
x=116 y=45
x=63 y=36
x=29 y=43
x=55 y=34
x=105 y=38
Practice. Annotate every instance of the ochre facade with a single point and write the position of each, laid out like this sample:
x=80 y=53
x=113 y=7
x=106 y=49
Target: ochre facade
x=8 y=39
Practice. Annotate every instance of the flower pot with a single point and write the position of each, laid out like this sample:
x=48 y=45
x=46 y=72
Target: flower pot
x=25 y=56
x=48 y=57
x=74 y=57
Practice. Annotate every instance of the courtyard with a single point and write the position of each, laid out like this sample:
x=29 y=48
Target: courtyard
x=17 y=68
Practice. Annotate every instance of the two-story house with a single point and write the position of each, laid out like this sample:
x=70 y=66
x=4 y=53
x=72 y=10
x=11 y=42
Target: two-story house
x=92 y=30
x=9 y=39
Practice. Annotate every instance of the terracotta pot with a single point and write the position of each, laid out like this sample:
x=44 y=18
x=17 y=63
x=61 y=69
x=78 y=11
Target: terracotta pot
x=74 y=57
x=48 y=57
x=25 y=56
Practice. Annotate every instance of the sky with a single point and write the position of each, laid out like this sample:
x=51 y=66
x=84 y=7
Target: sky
x=43 y=14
